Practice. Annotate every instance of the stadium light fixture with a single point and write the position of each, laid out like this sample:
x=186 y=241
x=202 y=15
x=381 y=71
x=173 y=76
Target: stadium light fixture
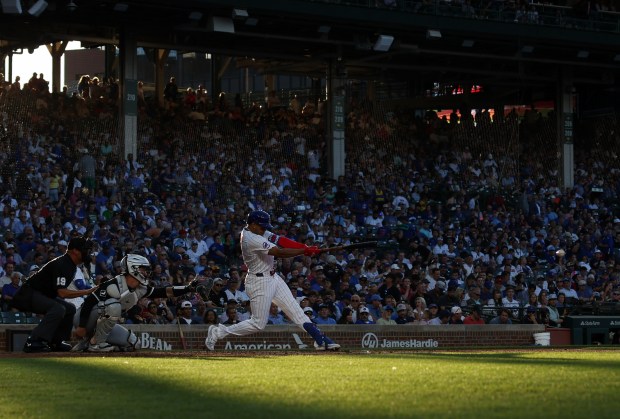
x=220 y=24
x=240 y=14
x=12 y=7
x=383 y=43
x=37 y=8
x=583 y=54
x=468 y=43
x=433 y=34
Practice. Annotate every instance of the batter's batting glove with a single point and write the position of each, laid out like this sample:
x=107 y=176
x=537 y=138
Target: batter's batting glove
x=312 y=251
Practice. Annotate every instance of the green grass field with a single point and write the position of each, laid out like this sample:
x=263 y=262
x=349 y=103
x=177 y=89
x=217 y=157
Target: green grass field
x=530 y=384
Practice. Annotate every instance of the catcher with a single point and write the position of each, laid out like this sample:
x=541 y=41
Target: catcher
x=97 y=320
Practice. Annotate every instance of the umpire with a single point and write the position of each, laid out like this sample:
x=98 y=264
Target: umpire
x=44 y=293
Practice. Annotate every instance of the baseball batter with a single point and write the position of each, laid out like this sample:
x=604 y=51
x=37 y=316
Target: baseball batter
x=263 y=285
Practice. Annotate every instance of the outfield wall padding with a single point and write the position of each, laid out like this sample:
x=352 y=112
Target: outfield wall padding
x=291 y=338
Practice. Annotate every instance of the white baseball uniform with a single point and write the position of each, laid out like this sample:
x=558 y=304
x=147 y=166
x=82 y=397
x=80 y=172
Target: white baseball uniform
x=263 y=285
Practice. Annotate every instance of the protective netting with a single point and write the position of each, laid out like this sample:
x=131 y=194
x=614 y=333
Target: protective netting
x=217 y=161
x=233 y=140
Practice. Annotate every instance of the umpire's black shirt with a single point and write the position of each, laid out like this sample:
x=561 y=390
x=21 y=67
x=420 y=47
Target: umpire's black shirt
x=57 y=273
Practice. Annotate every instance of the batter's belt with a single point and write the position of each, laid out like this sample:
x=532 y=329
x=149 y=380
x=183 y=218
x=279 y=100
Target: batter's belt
x=260 y=274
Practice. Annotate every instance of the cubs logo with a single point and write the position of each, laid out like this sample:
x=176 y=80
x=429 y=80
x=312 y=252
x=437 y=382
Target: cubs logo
x=273 y=238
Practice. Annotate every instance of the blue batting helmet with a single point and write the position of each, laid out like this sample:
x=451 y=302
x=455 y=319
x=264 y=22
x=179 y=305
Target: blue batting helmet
x=261 y=218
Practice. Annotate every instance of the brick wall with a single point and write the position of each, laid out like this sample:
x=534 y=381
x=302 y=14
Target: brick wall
x=371 y=337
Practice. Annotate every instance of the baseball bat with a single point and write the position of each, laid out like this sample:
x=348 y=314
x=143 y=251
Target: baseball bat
x=360 y=245
x=181 y=335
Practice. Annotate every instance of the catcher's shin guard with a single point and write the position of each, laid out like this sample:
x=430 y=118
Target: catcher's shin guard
x=122 y=337
x=103 y=328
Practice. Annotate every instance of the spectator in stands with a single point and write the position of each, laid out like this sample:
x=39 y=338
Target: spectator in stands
x=419 y=311
x=171 y=93
x=584 y=291
x=324 y=315
x=403 y=316
x=6 y=279
x=364 y=316
x=532 y=300
x=346 y=317
x=442 y=318
x=275 y=317
x=386 y=316
x=190 y=99
x=569 y=293
x=211 y=317
x=555 y=318
x=456 y=315
x=217 y=297
x=502 y=318
x=473 y=297
x=231 y=316
x=510 y=302
x=475 y=316
x=202 y=99
x=16 y=86
x=434 y=295
x=83 y=87
x=9 y=290
x=375 y=308
x=531 y=315
x=165 y=315
x=185 y=313
x=450 y=299
x=308 y=311
x=232 y=291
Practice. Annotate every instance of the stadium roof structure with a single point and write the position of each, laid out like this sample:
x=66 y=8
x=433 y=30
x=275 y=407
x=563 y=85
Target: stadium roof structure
x=368 y=42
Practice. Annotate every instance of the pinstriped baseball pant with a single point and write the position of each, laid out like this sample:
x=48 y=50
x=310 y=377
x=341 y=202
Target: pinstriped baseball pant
x=262 y=292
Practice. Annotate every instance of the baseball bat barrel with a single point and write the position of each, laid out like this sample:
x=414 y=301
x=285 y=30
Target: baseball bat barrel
x=360 y=245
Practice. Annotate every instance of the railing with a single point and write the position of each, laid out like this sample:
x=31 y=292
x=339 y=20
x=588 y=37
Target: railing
x=13 y=317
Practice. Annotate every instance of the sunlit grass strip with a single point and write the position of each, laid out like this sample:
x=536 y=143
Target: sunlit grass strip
x=566 y=384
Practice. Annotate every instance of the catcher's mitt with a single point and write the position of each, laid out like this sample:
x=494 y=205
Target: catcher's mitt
x=204 y=288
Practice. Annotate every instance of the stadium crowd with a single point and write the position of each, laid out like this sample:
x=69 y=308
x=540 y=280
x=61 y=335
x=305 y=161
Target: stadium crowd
x=472 y=224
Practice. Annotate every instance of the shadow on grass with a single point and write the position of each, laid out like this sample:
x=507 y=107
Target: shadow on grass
x=53 y=388
x=219 y=387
